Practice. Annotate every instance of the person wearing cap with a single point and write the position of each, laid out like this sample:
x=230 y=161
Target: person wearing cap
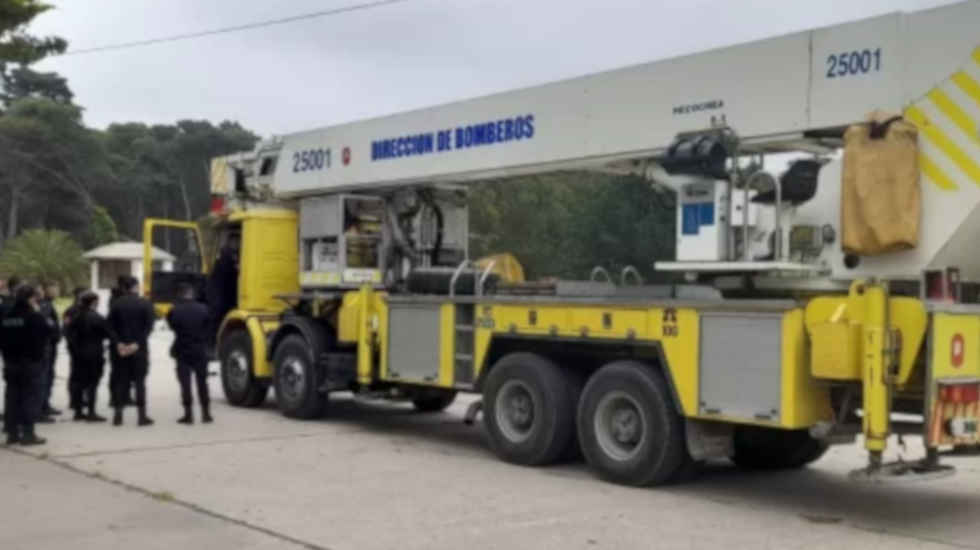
x=88 y=332
x=131 y=318
x=24 y=336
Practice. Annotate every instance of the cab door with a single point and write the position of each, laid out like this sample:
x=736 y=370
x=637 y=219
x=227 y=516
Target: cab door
x=184 y=262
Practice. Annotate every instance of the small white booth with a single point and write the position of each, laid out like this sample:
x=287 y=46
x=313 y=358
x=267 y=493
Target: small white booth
x=109 y=261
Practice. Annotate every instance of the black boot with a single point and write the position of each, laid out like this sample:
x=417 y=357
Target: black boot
x=30 y=438
x=206 y=414
x=117 y=417
x=79 y=415
x=188 y=417
x=92 y=417
x=143 y=419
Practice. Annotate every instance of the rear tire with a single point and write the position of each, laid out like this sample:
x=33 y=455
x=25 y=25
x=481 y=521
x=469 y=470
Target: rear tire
x=434 y=402
x=529 y=409
x=297 y=380
x=628 y=426
x=758 y=448
x=238 y=380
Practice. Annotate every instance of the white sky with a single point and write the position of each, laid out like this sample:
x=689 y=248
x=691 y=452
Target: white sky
x=389 y=59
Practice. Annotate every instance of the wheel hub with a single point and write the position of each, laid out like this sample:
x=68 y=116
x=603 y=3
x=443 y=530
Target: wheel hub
x=292 y=377
x=625 y=426
x=619 y=425
x=515 y=410
x=237 y=369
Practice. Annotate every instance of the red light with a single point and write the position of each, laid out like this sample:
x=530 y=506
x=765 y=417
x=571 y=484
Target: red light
x=959 y=393
x=217 y=204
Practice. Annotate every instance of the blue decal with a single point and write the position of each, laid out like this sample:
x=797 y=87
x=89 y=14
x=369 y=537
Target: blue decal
x=462 y=137
x=689 y=219
x=707 y=216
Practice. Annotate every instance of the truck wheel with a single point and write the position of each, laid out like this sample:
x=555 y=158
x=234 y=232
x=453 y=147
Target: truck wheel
x=434 y=402
x=628 y=425
x=758 y=448
x=530 y=409
x=297 y=379
x=242 y=388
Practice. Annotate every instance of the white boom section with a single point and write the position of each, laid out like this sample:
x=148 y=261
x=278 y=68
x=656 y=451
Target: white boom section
x=770 y=92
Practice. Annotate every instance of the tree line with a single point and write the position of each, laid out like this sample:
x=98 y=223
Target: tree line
x=65 y=186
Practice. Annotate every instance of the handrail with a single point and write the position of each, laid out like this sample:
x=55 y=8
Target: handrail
x=630 y=270
x=459 y=271
x=599 y=270
x=483 y=277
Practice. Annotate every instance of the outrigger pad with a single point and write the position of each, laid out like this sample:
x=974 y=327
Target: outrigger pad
x=901 y=472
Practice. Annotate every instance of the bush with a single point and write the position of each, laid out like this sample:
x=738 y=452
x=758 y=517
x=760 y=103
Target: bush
x=40 y=255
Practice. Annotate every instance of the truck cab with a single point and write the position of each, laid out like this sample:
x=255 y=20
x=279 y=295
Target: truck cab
x=267 y=270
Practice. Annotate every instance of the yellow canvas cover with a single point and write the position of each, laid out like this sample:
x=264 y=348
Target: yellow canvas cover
x=881 y=201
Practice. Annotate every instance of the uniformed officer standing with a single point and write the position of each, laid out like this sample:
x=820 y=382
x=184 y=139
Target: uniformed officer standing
x=189 y=319
x=114 y=294
x=74 y=375
x=51 y=293
x=88 y=333
x=7 y=301
x=24 y=334
x=222 y=289
x=131 y=318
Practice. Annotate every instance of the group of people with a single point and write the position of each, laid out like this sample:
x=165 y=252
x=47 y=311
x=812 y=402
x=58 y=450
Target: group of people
x=30 y=331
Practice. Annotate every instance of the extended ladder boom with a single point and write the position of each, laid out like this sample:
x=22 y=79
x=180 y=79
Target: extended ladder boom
x=782 y=93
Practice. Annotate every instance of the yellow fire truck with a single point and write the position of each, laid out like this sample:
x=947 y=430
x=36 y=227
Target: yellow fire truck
x=831 y=298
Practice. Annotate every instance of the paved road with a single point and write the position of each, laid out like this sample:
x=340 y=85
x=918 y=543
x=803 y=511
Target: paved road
x=377 y=476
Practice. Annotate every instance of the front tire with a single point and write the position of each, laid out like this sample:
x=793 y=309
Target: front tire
x=530 y=409
x=628 y=426
x=238 y=380
x=298 y=380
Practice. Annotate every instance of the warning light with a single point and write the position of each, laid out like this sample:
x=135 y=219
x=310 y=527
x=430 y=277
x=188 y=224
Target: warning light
x=956 y=351
x=217 y=204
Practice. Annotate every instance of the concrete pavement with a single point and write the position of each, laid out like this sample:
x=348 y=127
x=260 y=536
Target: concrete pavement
x=382 y=476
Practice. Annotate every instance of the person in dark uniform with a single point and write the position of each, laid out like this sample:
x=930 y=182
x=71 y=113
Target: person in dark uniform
x=189 y=319
x=131 y=318
x=87 y=333
x=114 y=294
x=24 y=334
x=74 y=375
x=51 y=293
x=222 y=291
x=7 y=302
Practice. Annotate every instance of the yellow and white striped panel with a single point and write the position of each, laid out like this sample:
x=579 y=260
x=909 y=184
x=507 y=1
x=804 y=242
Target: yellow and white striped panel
x=948 y=119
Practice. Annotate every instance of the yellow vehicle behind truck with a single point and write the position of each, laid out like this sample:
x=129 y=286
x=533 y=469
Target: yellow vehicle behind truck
x=830 y=297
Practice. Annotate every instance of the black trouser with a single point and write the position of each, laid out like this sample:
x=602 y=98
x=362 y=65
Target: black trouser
x=47 y=380
x=129 y=371
x=22 y=398
x=73 y=381
x=84 y=382
x=199 y=369
x=114 y=373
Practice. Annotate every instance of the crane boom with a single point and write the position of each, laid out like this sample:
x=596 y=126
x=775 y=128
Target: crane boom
x=780 y=94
